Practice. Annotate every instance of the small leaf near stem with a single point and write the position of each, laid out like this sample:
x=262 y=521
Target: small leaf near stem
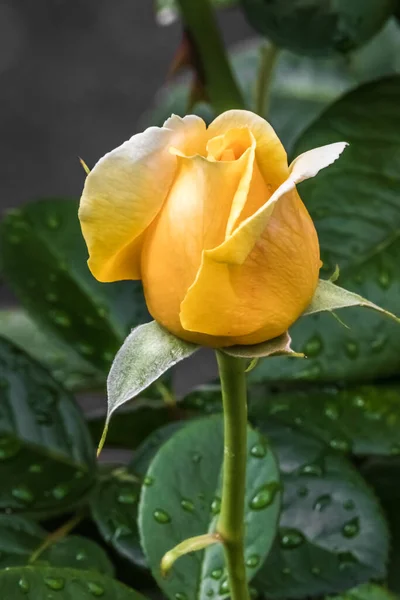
x=267 y=61
x=230 y=525
x=190 y=545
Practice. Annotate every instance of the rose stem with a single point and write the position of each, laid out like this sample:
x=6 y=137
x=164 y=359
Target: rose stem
x=220 y=83
x=230 y=524
x=267 y=61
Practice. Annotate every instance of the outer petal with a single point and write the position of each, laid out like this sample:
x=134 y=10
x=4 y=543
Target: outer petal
x=125 y=191
x=259 y=281
x=193 y=218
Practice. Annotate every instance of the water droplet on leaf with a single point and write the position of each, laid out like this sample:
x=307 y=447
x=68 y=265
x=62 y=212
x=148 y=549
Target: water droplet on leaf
x=95 y=589
x=352 y=349
x=216 y=506
x=224 y=587
x=331 y=411
x=265 y=495
x=24 y=585
x=322 y=502
x=290 y=538
x=258 y=451
x=187 y=505
x=253 y=561
x=23 y=493
x=127 y=497
x=216 y=573
x=161 y=516
x=313 y=347
x=340 y=444
x=54 y=583
x=351 y=528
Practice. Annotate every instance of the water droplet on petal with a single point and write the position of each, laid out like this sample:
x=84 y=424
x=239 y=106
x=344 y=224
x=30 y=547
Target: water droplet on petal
x=187 y=505
x=81 y=555
x=210 y=593
x=258 y=451
x=322 y=502
x=265 y=496
x=54 y=583
x=351 y=528
x=348 y=505
x=95 y=589
x=313 y=347
x=253 y=561
x=148 y=480
x=180 y=596
x=161 y=516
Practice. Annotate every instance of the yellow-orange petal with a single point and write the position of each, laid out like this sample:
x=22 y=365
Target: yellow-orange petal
x=264 y=275
x=193 y=218
x=125 y=191
x=270 y=154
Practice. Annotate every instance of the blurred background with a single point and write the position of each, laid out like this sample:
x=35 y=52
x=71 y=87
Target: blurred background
x=75 y=77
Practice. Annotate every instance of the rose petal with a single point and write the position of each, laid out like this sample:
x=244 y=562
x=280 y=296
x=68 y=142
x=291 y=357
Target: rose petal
x=125 y=191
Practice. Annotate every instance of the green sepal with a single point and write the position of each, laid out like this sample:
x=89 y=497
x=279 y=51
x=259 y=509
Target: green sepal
x=329 y=297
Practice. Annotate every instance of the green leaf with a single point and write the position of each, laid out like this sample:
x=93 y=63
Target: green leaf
x=183 y=500
x=114 y=505
x=332 y=532
x=47 y=461
x=354 y=205
x=65 y=365
x=368 y=591
x=147 y=353
x=44 y=260
x=384 y=474
x=316 y=29
x=361 y=419
x=76 y=552
x=37 y=583
x=19 y=538
x=167 y=11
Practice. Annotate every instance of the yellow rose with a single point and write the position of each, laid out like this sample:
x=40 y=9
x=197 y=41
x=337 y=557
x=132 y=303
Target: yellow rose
x=211 y=222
